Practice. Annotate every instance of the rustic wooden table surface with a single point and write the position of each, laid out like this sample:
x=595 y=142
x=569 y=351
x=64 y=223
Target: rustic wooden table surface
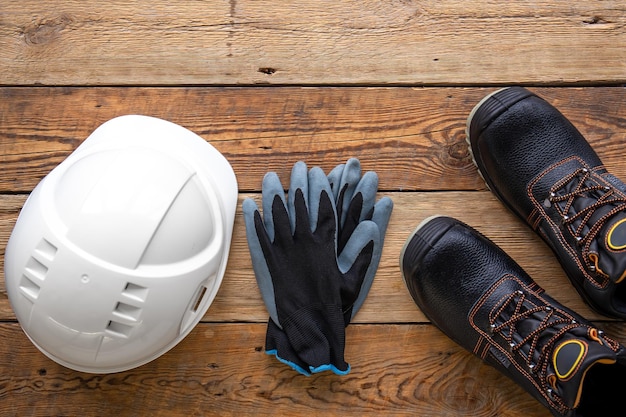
x=268 y=84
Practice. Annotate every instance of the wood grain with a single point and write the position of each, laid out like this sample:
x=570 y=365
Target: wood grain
x=413 y=138
x=221 y=369
x=349 y=42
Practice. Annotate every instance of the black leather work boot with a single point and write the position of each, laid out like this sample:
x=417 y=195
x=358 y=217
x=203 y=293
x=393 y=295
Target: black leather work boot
x=479 y=297
x=540 y=166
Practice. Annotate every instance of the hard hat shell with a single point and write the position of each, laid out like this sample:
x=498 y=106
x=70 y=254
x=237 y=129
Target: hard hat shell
x=119 y=251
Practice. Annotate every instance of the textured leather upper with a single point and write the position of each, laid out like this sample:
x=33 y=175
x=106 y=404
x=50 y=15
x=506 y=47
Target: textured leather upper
x=541 y=167
x=523 y=141
x=482 y=299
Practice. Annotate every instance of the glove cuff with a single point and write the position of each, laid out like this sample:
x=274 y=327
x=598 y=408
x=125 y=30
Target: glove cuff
x=277 y=344
x=317 y=334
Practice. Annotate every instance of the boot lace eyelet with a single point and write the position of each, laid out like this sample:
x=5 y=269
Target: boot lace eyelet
x=529 y=328
x=578 y=196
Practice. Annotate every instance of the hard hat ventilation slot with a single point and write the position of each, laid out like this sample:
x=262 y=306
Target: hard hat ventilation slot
x=118 y=329
x=34 y=274
x=127 y=311
x=136 y=292
x=46 y=249
x=36 y=269
x=29 y=288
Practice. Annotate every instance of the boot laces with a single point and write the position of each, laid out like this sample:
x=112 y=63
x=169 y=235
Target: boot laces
x=580 y=217
x=542 y=324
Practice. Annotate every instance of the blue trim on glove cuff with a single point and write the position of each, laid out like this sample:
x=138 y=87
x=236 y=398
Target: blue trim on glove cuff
x=274 y=352
x=329 y=367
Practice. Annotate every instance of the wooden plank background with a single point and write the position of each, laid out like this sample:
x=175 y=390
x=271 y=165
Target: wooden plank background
x=316 y=42
x=269 y=84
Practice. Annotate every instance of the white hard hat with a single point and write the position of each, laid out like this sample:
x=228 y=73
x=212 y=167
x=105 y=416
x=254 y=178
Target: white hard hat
x=120 y=250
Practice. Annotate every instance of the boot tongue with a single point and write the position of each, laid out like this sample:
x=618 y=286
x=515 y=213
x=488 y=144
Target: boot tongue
x=608 y=251
x=615 y=246
x=571 y=359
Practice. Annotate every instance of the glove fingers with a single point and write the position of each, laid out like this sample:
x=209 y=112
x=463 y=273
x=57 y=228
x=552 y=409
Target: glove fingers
x=249 y=207
x=275 y=216
x=351 y=221
x=358 y=262
x=361 y=207
x=282 y=228
x=299 y=181
x=255 y=233
x=366 y=285
x=382 y=214
x=326 y=225
x=350 y=177
x=302 y=223
x=319 y=186
x=356 y=200
x=367 y=187
x=334 y=178
x=367 y=231
x=271 y=187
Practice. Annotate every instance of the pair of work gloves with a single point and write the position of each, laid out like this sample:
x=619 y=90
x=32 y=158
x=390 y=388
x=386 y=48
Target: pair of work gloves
x=315 y=253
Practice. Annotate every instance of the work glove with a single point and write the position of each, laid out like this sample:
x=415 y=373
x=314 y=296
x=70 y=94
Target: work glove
x=357 y=261
x=355 y=202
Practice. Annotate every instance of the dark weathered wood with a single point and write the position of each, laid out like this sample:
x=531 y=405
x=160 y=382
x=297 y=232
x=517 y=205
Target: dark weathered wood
x=73 y=42
x=222 y=370
x=414 y=138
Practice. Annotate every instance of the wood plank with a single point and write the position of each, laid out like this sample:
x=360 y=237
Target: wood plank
x=219 y=369
x=388 y=301
x=413 y=138
x=77 y=42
